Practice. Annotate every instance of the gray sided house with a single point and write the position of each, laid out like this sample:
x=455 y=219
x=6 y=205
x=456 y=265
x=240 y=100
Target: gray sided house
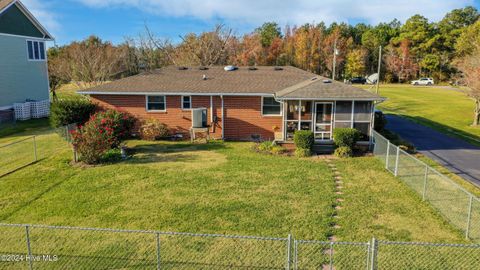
x=23 y=59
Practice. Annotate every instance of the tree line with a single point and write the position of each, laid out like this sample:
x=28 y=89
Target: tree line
x=415 y=48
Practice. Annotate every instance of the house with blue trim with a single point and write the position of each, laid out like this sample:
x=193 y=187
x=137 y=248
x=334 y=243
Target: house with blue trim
x=23 y=57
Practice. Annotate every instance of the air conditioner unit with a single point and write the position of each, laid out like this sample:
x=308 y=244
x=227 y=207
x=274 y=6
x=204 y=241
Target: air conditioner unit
x=199 y=118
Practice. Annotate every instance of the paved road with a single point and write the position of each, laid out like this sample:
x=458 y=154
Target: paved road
x=458 y=156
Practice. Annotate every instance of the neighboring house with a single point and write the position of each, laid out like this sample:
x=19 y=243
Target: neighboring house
x=245 y=103
x=23 y=58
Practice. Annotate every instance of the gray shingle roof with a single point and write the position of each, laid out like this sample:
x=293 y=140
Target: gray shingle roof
x=289 y=82
x=172 y=80
x=323 y=88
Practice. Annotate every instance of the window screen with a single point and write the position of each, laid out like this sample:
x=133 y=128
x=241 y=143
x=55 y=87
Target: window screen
x=270 y=106
x=186 y=102
x=156 y=103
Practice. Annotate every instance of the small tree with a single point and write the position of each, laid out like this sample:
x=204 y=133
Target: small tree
x=470 y=67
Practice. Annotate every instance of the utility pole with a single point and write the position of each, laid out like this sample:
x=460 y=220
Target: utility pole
x=379 y=66
x=334 y=59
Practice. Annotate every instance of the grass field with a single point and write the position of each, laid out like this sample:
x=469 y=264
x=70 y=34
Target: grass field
x=446 y=109
x=204 y=188
x=214 y=188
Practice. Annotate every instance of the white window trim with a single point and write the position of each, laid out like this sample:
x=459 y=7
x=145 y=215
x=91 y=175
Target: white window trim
x=146 y=103
x=181 y=101
x=33 y=47
x=271 y=115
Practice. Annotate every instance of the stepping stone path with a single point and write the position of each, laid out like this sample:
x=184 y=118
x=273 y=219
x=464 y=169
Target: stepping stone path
x=338 y=192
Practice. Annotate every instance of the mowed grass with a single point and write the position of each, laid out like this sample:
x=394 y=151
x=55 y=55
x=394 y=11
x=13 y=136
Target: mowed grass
x=215 y=188
x=444 y=108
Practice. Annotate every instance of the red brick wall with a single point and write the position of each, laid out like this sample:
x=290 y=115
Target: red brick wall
x=243 y=116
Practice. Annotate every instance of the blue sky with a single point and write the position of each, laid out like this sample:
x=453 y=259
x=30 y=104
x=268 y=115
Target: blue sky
x=113 y=20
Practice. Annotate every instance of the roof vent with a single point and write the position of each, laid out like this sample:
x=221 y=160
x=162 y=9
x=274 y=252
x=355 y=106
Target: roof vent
x=204 y=77
x=203 y=68
x=230 y=68
x=277 y=68
x=327 y=81
x=182 y=68
x=252 y=68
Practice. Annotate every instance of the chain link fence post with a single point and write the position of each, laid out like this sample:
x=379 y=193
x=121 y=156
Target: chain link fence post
x=295 y=254
x=29 y=249
x=289 y=249
x=425 y=179
x=387 y=155
x=469 y=217
x=373 y=254
x=396 y=160
x=159 y=266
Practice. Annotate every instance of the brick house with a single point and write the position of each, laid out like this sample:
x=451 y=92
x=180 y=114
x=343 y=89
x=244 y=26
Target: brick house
x=243 y=103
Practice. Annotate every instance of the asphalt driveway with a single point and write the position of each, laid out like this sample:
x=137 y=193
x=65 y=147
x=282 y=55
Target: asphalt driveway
x=458 y=156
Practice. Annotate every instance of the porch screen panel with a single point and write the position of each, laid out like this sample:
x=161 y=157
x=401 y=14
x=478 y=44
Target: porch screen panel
x=362 y=118
x=363 y=111
x=343 y=114
x=306 y=114
x=291 y=118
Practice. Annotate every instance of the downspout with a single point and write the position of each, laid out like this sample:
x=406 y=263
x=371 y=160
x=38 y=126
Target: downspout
x=282 y=102
x=223 y=119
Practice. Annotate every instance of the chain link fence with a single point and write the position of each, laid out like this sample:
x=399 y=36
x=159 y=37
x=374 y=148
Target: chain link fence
x=66 y=131
x=18 y=154
x=56 y=247
x=458 y=206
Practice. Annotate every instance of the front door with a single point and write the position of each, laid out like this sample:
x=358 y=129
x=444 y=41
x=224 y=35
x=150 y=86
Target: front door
x=323 y=121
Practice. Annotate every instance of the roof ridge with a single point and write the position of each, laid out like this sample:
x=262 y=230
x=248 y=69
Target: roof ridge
x=297 y=86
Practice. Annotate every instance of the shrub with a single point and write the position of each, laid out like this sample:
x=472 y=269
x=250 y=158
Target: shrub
x=103 y=132
x=277 y=150
x=380 y=121
x=265 y=146
x=152 y=129
x=345 y=137
x=118 y=124
x=64 y=112
x=303 y=139
x=343 y=152
x=302 y=152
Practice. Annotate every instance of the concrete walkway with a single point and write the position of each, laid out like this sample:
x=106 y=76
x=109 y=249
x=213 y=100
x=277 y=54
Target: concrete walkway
x=460 y=157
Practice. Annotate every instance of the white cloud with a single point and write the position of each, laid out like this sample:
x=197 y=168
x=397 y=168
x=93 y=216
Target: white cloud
x=42 y=12
x=290 y=11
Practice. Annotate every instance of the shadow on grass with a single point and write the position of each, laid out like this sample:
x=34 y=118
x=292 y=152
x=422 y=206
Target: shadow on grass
x=178 y=152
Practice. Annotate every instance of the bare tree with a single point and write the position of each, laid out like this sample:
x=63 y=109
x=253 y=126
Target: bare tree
x=470 y=67
x=209 y=48
x=92 y=62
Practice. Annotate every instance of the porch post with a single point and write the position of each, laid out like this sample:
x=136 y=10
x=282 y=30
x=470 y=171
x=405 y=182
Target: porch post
x=299 y=113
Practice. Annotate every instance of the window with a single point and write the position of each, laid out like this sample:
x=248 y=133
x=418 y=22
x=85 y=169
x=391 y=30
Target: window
x=186 y=102
x=363 y=111
x=156 y=103
x=270 y=106
x=343 y=114
x=35 y=50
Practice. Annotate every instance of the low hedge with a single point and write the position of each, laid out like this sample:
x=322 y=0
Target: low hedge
x=69 y=111
x=345 y=137
x=303 y=139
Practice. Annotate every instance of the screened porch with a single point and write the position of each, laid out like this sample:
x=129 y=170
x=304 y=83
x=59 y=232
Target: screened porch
x=322 y=117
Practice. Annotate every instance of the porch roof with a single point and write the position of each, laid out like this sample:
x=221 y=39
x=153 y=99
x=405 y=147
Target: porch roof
x=321 y=88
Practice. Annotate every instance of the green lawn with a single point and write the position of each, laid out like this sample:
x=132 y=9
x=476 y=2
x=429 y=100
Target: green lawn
x=215 y=188
x=444 y=108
